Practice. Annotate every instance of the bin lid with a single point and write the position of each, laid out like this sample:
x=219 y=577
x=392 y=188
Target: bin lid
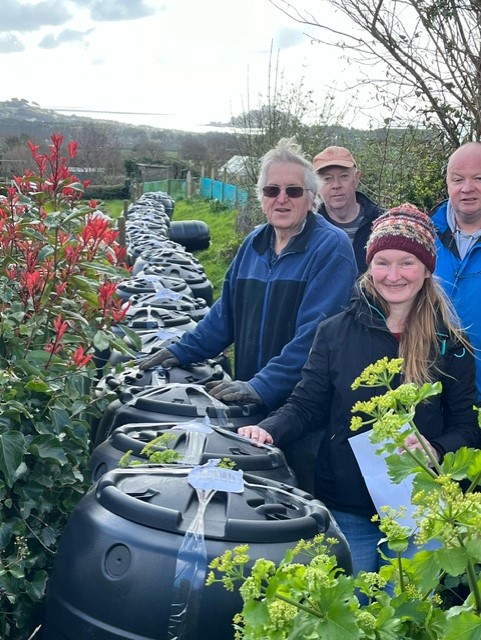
x=162 y=498
x=197 y=442
x=192 y=400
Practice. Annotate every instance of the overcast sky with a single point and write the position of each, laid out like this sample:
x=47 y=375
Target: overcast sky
x=195 y=61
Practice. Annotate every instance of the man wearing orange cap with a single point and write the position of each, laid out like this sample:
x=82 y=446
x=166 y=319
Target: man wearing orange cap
x=342 y=205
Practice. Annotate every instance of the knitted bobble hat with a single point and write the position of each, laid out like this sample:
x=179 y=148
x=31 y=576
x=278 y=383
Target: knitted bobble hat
x=407 y=229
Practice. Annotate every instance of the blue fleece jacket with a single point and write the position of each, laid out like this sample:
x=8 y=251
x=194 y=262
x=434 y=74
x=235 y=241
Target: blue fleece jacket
x=270 y=306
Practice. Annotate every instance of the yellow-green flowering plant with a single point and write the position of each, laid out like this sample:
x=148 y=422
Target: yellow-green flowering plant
x=315 y=600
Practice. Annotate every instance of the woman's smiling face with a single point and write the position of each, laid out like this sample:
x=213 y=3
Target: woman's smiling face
x=397 y=276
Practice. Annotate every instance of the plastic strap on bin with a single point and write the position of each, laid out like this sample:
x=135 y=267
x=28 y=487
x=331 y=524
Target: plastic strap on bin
x=191 y=565
x=196 y=433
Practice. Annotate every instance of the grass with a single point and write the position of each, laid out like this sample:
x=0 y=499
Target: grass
x=221 y=222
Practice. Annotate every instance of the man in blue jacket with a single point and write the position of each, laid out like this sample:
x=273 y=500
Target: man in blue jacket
x=288 y=275
x=458 y=225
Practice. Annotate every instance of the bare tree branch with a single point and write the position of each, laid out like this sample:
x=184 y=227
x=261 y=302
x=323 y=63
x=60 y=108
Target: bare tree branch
x=430 y=49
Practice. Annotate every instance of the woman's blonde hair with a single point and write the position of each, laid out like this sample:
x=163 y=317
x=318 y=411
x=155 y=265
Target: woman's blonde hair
x=421 y=341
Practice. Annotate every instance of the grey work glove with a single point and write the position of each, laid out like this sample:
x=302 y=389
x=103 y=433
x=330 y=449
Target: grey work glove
x=163 y=357
x=236 y=391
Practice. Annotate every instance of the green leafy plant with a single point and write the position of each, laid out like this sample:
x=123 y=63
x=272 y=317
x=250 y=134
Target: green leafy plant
x=59 y=261
x=316 y=600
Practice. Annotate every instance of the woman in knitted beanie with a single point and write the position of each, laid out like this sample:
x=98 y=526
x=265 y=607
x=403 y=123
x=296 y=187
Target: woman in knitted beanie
x=398 y=311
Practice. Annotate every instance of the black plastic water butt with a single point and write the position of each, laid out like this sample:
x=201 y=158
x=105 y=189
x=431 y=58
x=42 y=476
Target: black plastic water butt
x=174 y=403
x=195 y=444
x=193 y=275
x=115 y=572
x=196 y=373
x=149 y=318
x=150 y=284
x=195 y=308
x=194 y=235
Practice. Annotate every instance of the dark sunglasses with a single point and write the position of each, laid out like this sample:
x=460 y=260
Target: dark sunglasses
x=291 y=192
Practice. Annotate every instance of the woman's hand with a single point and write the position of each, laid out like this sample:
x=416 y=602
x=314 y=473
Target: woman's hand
x=413 y=442
x=256 y=434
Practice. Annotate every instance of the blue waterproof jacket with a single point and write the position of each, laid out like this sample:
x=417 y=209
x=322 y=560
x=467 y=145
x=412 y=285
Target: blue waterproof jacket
x=270 y=308
x=461 y=279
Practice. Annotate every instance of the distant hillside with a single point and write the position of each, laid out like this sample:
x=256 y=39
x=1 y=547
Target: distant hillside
x=18 y=117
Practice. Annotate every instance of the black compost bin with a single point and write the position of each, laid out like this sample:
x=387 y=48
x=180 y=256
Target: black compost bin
x=192 y=234
x=193 y=275
x=174 y=403
x=195 y=443
x=195 y=308
x=114 y=574
x=150 y=341
x=196 y=373
x=150 y=284
x=149 y=318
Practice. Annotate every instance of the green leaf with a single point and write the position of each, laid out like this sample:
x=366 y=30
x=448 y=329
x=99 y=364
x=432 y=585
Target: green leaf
x=462 y=462
x=37 y=385
x=339 y=623
x=400 y=466
x=35 y=587
x=465 y=626
x=474 y=549
x=453 y=561
x=12 y=450
x=49 y=448
x=424 y=569
x=101 y=340
x=256 y=613
x=132 y=335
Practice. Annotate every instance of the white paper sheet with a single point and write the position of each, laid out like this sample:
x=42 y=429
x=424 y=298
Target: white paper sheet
x=383 y=491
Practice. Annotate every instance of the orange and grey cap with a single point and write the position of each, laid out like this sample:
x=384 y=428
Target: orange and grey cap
x=334 y=157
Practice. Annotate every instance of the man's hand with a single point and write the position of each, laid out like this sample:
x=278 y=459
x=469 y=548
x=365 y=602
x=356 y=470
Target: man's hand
x=236 y=391
x=163 y=357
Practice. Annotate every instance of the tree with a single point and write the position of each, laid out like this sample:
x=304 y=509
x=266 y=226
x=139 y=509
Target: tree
x=99 y=157
x=430 y=49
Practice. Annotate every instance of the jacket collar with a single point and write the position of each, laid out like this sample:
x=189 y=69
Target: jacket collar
x=297 y=244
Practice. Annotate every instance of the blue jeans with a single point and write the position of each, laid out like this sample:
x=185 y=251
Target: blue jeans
x=363 y=537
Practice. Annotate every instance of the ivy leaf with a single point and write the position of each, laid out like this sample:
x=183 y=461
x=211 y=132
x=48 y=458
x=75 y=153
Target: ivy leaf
x=35 y=587
x=49 y=448
x=12 y=450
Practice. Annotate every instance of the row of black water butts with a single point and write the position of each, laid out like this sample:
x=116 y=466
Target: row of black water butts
x=128 y=564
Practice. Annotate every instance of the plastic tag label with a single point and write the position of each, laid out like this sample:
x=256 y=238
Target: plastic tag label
x=166 y=294
x=210 y=477
x=193 y=425
x=165 y=333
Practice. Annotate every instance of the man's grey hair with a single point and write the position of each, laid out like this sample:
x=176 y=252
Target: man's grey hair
x=288 y=151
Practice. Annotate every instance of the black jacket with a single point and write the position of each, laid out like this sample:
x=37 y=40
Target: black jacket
x=370 y=211
x=343 y=347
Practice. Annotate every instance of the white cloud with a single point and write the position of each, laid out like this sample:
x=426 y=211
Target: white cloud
x=201 y=61
x=9 y=43
x=18 y=16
